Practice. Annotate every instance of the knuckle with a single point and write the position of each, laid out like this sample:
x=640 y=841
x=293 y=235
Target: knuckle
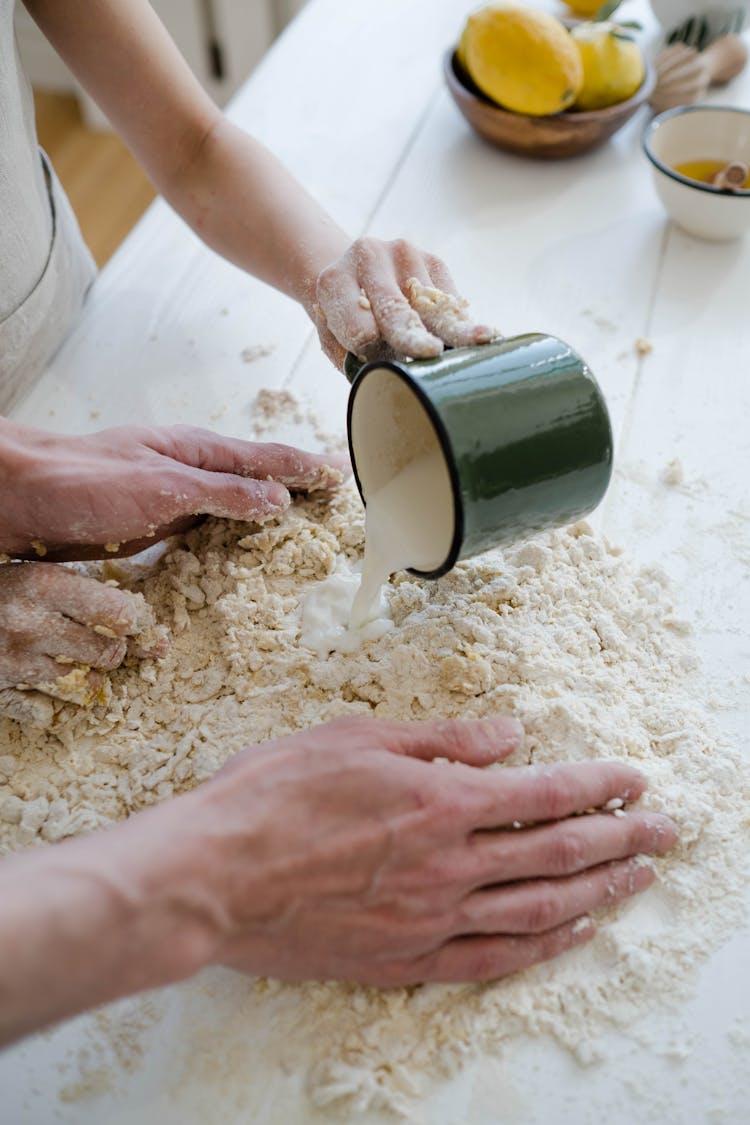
x=569 y=852
x=556 y=794
x=442 y=872
x=366 y=248
x=23 y=633
x=425 y=795
x=450 y=806
x=353 y=725
x=326 y=283
x=402 y=248
x=544 y=911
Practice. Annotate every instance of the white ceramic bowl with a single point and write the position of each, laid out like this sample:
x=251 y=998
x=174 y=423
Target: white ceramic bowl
x=700 y=132
x=720 y=17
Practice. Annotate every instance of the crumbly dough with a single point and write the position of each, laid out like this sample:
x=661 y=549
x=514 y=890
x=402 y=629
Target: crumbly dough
x=559 y=631
x=673 y=474
x=444 y=314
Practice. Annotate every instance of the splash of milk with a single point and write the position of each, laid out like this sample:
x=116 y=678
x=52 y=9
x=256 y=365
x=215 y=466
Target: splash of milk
x=408 y=524
x=327 y=611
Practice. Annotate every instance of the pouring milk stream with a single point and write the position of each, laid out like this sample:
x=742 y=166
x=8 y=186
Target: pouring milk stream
x=455 y=455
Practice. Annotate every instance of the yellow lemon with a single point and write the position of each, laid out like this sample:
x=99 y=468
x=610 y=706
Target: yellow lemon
x=613 y=66
x=584 y=8
x=522 y=58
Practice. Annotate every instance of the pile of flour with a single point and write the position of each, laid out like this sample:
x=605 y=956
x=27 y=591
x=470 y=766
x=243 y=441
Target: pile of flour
x=559 y=631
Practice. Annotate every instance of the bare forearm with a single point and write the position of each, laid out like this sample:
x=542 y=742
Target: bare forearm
x=88 y=921
x=13 y=464
x=242 y=201
x=226 y=185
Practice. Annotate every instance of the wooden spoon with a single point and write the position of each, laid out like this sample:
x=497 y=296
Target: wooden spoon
x=731 y=177
x=684 y=74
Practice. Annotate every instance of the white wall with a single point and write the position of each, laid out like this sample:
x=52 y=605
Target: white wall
x=241 y=29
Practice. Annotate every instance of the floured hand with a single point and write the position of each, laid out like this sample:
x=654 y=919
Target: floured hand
x=382 y=297
x=120 y=490
x=60 y=631
x=345 y=852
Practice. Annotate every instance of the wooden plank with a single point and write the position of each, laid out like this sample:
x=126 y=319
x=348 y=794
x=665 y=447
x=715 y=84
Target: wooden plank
x=692 y=404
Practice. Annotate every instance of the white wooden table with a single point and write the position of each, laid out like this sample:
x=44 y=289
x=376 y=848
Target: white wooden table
x=352 y=99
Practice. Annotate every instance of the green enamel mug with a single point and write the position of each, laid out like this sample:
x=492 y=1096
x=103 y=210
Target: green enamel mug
x=521 y=424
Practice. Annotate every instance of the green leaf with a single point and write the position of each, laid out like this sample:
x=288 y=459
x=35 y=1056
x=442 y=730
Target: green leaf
x=622 y=35
x=606 y=11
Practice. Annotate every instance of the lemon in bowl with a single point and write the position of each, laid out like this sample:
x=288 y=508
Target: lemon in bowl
x=584 y=9
x=521 y=58
x=518 y=76
x=613 y=65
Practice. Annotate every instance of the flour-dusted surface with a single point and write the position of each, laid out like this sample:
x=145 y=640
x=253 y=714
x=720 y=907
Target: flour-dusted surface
x=559 y=631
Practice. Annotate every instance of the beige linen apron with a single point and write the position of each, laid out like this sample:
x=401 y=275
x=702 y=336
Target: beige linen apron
x=45 y=266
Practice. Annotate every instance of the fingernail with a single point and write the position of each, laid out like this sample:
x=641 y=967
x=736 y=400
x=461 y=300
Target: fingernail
x=483 y=334
x=667 y=832
x=277 y=496
x=326 y=477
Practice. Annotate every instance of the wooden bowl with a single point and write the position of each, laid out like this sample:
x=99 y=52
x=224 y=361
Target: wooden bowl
x=559 y=135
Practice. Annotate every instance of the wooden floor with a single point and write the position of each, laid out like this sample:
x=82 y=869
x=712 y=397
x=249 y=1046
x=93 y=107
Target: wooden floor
x=105 y=185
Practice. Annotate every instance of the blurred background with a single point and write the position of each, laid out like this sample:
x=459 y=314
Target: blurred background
x=222 y=41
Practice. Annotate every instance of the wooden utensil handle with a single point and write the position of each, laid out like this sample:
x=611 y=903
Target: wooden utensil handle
x=725 y=58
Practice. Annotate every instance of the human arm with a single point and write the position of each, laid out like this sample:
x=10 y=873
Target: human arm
x=343 y=852
x=238 y=197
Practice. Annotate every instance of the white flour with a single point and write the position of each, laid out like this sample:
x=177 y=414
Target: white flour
x=558 y=631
